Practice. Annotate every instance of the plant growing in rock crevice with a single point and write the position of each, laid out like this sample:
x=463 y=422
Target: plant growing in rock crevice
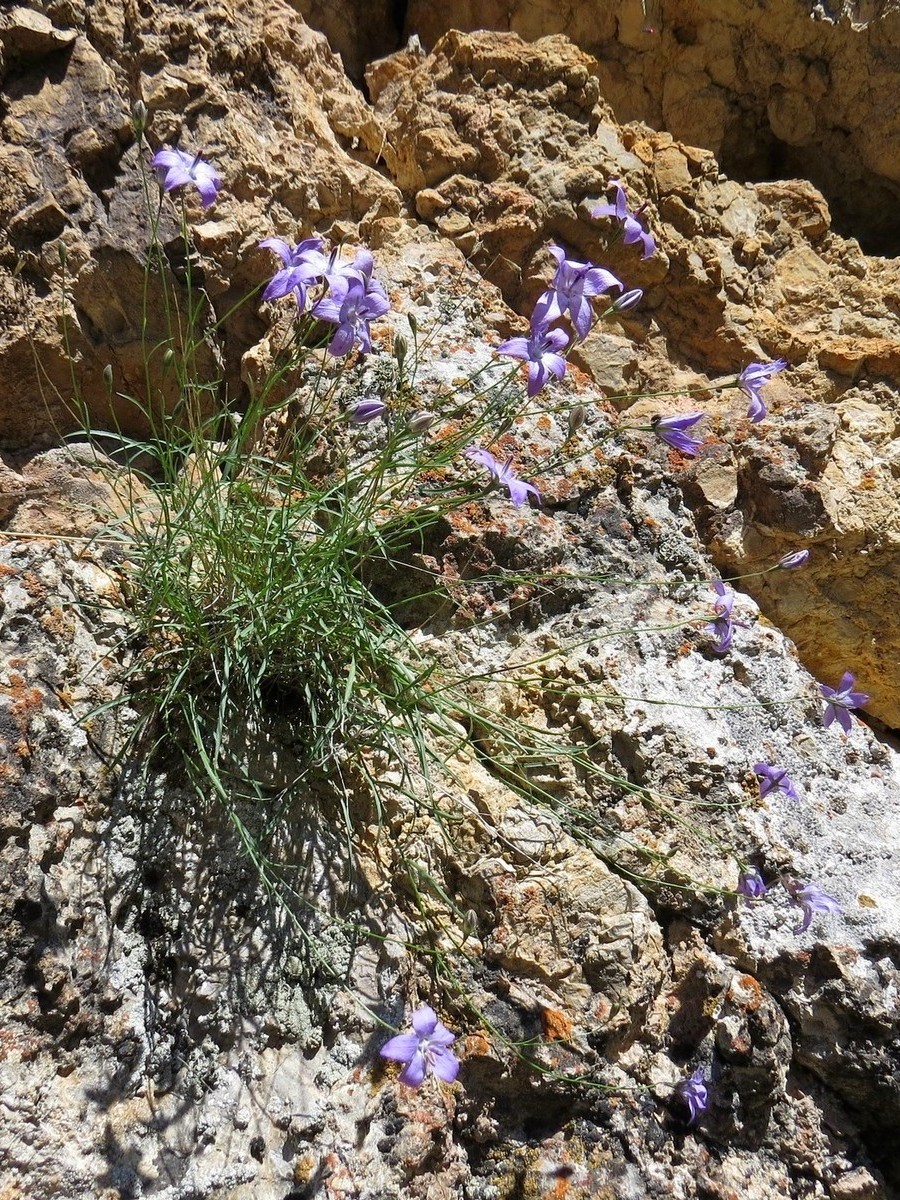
x=273 y=660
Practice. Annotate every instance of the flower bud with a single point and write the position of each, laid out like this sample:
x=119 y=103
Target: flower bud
x=108 y=377
x=628 y=300
x=576 y=418
x=401 y=347
x=139 y=116
x=420 y=421
x=794 y=560
x=368 y=409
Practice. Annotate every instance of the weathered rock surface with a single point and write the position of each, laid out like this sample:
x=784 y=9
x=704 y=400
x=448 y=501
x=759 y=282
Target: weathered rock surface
x=794 y=88
x=170 y=1033
x=173 y=1036
x=504 y=146
x=251 y=86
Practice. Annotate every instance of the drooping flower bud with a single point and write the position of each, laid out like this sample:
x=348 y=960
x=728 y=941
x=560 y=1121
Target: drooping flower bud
x=420 y=421
x=576 y=418
x=139 y=116
x=370 y=408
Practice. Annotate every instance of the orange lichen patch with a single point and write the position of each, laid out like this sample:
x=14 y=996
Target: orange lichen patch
x=6 y=571
x=33 y=586
x=747 y=992
x=57 y=622
x=557 y=1026
x=476 y=1045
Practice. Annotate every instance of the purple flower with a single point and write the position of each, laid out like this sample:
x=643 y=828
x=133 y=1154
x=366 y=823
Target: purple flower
x=351 y=308
x=428 y=1049
x=177 y=168
x=840 y=700
x=722 y=628
x=504 y=474
x=751 y=884
x=793 y=561
x=671 y=431
x=811 y=899
x=751 y=379
x=694 y=1094
x=304 y=264
x=358 y=270
x=542 y=352
x=368 y=409
x=774 y=779
x=571 y=290
x=633 y=230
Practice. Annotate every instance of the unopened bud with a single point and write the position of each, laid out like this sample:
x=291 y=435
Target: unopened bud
x=61 y=251
x=420 y=421
x=576 y=418
x=108 y=377
x=168 y=358
x=793 y=561
x=628 y=300
x=413 y=323
x=369 y=409
x=401 y=347
x=139 y=116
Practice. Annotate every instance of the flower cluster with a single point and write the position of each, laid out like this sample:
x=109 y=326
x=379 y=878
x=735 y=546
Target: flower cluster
x=353 y=297
x=343 y=292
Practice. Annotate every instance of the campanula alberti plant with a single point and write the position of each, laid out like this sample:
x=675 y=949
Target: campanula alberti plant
x=774 y=779
x=811 y=899
x=694 y=1094
x=672 y=431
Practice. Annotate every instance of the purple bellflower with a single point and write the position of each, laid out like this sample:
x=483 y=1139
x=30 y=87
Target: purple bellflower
x=751 y=884
x=811 y=899
x=774 y=779
x=751 y=380
x=504 y=474
x=671 y=430
x=840 y=700
x=351 y=308
x=571 y=290
x=304 y=264
x=793 y=561
x=427 y=1049
x=177 y=168
x=359 y=268
x=542 y=352
x=633 y=230
x=722 y=626
x=370 y=408
x=694 y=1094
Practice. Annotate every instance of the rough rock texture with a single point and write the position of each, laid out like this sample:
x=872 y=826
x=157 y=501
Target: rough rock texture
x=171 y=1035
x=504 y=146
x=168 y=1031
x=250 y=85
x=795 y=88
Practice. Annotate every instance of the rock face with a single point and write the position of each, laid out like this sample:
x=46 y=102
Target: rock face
x=246 y=84
x=505 y=146
x=795 y=88
x=169 y=1032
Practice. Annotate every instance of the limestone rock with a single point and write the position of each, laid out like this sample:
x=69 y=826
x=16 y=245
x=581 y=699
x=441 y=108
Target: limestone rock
x=254 y=88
